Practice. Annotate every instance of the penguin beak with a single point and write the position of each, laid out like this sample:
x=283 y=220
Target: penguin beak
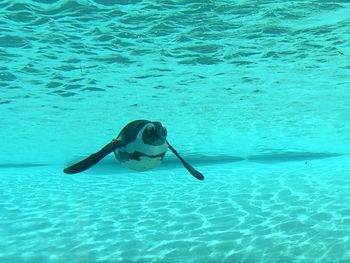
x=155 y=134
x=160 y=131
x=163 y=133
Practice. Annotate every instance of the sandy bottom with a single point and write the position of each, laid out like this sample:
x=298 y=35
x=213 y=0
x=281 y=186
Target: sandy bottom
x=241 y=212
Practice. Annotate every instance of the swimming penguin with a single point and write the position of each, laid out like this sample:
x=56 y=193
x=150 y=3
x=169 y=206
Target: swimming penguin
x=141 y=145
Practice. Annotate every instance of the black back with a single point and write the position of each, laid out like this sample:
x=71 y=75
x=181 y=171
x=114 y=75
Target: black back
x=130 y=131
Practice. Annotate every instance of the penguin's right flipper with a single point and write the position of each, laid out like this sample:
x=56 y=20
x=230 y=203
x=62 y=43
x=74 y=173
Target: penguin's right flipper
x=189 y=167
x=93 y=158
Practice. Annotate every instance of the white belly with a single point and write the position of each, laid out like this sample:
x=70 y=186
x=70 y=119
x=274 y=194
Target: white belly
x=143 y=164
x=139 y=156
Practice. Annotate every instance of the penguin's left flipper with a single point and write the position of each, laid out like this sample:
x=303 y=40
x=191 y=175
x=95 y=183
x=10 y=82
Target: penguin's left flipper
x=189 y=168
x=93 y=158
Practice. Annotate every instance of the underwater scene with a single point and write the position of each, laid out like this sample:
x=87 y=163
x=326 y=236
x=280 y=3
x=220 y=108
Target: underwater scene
x=242 y=153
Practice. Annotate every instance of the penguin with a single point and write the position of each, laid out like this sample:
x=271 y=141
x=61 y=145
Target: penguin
x=140 y=145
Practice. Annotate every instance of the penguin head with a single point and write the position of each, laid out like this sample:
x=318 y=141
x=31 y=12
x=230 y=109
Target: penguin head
x=154 y=133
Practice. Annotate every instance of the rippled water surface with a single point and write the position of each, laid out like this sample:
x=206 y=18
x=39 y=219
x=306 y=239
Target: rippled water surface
x=255 y=94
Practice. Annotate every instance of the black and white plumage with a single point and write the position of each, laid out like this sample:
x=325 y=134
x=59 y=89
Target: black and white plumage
x=144 y=145
x=141 y=145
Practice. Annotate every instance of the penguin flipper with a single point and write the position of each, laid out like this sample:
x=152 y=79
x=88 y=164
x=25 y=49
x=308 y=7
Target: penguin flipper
x=189 y=168
x=93 y=158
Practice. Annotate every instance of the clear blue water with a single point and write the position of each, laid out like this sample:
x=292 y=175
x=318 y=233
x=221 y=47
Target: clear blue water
x=255 y=95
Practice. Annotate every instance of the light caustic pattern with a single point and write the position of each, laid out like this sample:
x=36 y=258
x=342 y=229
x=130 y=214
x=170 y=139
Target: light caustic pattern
x=230 y=80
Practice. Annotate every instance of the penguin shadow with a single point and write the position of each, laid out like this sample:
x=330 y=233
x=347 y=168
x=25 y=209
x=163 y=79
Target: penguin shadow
x=289 y=156
x=110 y=166
x=21 y=165
x=201 y=160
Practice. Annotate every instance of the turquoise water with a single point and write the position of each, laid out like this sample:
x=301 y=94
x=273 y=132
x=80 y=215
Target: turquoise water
x=255 y=95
